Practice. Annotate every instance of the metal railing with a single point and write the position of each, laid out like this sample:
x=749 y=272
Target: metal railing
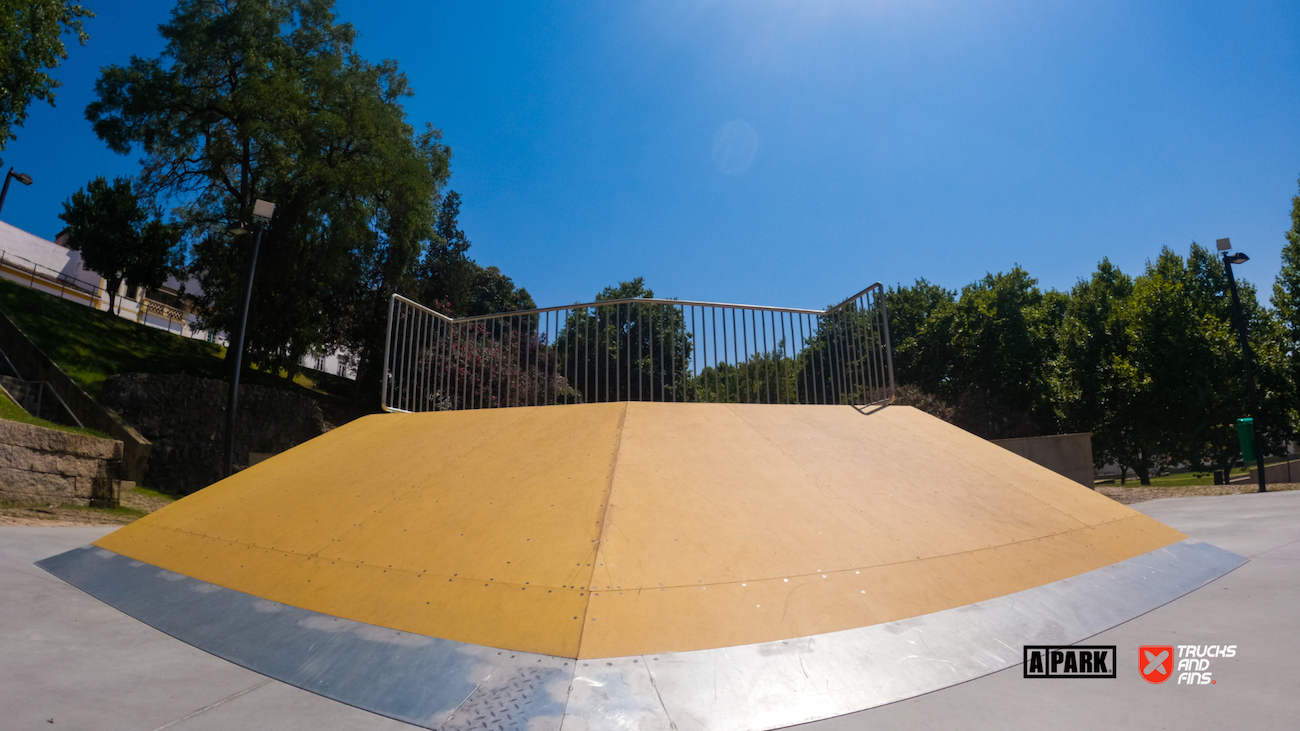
x=38 y=276
x=639 y=350
x=41 y=278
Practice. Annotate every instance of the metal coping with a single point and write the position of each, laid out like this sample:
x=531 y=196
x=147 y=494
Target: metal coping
x=442 y=684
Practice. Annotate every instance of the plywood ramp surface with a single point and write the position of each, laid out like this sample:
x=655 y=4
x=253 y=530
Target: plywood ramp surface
x=608 y=530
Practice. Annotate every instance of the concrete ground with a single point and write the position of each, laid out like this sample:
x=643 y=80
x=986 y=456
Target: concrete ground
x=69 y=661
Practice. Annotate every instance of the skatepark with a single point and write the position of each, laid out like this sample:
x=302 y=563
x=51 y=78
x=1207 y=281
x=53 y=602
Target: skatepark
x=639 y=563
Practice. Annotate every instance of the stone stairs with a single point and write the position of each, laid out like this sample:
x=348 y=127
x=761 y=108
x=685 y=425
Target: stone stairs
x=35 y=397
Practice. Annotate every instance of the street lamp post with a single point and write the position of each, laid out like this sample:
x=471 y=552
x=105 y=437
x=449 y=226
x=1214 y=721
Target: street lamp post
x=1224 y=246
x=23 y=178
x=262 y=212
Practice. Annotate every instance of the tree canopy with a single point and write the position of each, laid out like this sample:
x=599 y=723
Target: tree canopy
x=1286 y=301
x=268 y=99
x=31 y=44
x=117 y=238
x=1150 y=365
x=627 y=352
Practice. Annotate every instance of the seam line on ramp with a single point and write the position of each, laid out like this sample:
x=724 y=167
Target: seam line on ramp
x=600 y=537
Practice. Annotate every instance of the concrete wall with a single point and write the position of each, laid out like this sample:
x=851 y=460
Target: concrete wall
x=33 y=365
x=1065 y=454
x=42 y=466
x=1278 y=474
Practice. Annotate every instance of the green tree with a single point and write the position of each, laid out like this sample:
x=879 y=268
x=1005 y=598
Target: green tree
x=116 y=237
x=446 y=273
x=489 y=292
x=1187 y=368
x=1094 y=379
x=766 y=377
x=31 y=44
x=920 y=320
x=1286 y=305
x=267 y=99
x=1003 y=336
x=627 y=352
x=836 y=365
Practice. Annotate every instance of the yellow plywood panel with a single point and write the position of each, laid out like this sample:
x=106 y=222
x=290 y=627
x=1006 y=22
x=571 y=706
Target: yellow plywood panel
x=1060 y=493
x=702 y=498
x=523 y=507
x=480 y=500
x=492 y=613
x=631 y=621
x=314 y=494
x=766 y=491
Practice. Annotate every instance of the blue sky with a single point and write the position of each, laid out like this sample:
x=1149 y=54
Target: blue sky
x=786 y=152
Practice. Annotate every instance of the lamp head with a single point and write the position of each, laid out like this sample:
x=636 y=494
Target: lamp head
x=1237 y=258
x=263 y=210
x=237 y=229
x=23 y=178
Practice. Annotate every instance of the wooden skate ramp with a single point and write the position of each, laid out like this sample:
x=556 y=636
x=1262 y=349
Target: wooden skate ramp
x=628 y=529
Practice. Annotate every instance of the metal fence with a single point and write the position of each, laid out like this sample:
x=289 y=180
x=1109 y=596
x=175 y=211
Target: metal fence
x=639 y=350
x=38 y=276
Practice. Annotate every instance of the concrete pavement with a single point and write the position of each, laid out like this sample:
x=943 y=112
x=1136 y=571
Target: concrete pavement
x=67 y=657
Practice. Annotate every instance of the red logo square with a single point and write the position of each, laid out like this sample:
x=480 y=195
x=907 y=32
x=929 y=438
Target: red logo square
x=1156 y=662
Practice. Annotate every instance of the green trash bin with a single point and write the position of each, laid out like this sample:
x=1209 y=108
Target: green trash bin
x=1246 y=434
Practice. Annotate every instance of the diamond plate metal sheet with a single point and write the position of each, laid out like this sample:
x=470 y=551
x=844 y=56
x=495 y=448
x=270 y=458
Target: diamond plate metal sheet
x=524 y=692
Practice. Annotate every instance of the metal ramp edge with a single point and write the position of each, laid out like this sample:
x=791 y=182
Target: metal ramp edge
x=444 y=684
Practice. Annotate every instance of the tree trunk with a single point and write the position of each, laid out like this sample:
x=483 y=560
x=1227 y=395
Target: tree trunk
x=1143 y=473
x=113 y=286
x=1123 y=474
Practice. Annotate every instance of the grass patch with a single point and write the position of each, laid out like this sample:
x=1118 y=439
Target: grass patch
x=121 y=510
x=1188 y=478
x=147 y=492
x=13 y=412
x=1185 y=479
x=90 y=345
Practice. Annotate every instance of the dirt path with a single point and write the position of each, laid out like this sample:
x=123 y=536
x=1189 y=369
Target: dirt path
x=134 y=505
x=1130 y=494
x=63 y=516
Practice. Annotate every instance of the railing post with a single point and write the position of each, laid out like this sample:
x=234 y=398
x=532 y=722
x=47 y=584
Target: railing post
x=388 y=339
x=888 y=344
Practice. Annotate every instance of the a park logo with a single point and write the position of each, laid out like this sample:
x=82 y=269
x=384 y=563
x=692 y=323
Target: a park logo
x=1156 y=662
x=1077 y=661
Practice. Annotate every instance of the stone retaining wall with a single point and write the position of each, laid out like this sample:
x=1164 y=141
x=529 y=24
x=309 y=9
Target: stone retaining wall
x=185 y=417
x=40 y=466
x=33 y=365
